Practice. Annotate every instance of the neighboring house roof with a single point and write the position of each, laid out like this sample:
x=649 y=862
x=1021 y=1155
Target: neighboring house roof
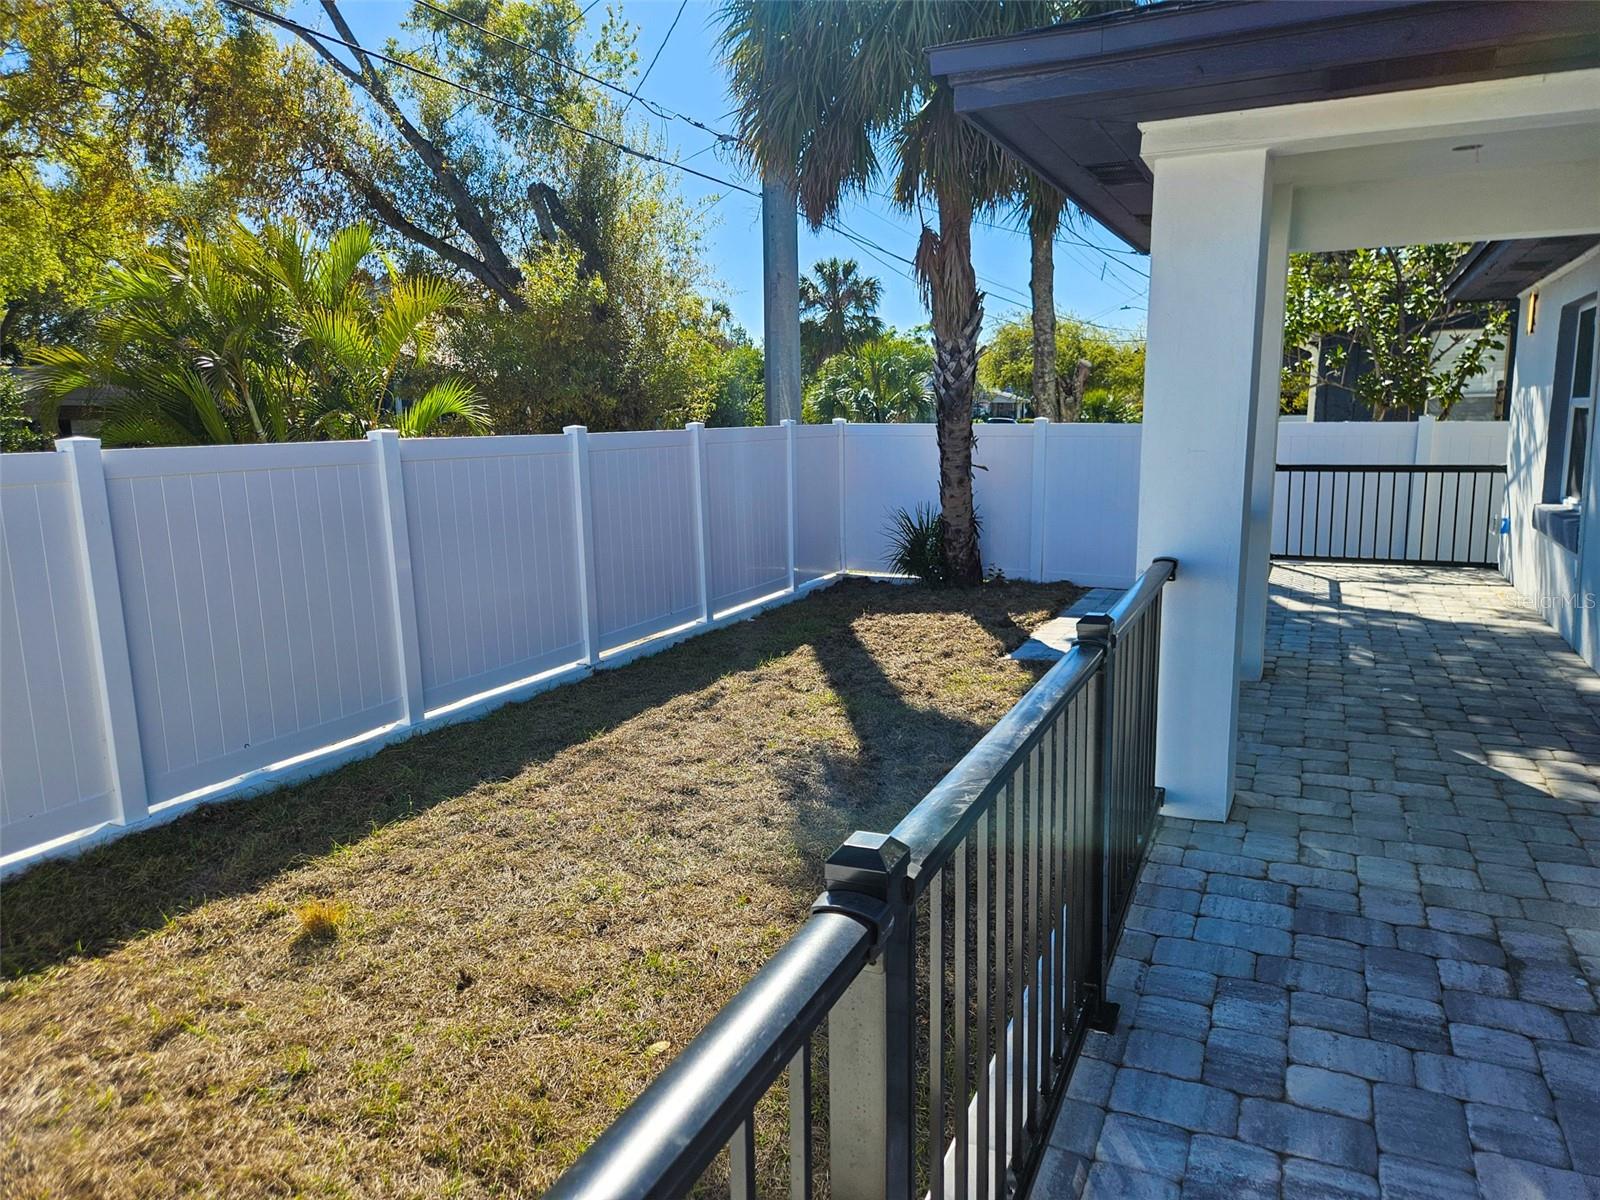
x=1504 y=270
x=1068 y=100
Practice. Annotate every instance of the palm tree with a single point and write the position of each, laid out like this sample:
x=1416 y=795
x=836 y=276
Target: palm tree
x=248 y=336
x=881 y=380
x=819 y=88
x=1043 y=207
x=841 y=304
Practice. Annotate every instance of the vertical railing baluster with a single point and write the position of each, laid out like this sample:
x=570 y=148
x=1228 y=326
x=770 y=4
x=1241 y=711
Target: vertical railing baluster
x=985 y=1098
x=936 y=1036
x=1021 y=794
x=742 y=1161
x=801 y=1154
x=1037 y=934
x=963 y=1015
x=998 y=1006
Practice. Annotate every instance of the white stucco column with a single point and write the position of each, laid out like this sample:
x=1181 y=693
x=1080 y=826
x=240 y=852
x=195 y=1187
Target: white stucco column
x=1264 y=449
x=1209 y=230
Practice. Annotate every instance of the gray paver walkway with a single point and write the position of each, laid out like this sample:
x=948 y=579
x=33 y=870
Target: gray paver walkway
x=1379 y=977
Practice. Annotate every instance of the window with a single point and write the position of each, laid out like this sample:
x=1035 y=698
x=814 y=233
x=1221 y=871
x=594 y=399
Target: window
x=1580 y=411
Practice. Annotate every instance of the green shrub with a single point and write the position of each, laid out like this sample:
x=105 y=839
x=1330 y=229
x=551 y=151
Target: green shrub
x=17 y=430
x=916 y=544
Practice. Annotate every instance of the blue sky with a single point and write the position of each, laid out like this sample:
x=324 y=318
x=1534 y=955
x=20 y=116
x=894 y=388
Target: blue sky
x=1108 y=288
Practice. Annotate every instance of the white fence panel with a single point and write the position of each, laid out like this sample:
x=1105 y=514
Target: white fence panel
x=1383 y=515
x=643 y=503
x=748 y=506
x=1346 y=442
x=54 y=772
x=1002 y=492
x=491 y=528
x=1092 y=504
x=252 y=591
x=1477 y=443
x=265 y=619
x=886 y=467
x=819 y=485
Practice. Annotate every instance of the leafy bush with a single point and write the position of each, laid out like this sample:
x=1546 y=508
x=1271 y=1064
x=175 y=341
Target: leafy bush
x=17 y=431
x=248 y=335
x=916 y=544
x=1116 y=364
x=1108 y=408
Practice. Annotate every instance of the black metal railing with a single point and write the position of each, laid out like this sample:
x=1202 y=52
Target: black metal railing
x=916 y=1034
x=1433 y=515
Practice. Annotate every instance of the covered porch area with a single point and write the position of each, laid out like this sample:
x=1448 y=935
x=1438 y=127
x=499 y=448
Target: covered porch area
x=1378 y=976
x=1223 y=137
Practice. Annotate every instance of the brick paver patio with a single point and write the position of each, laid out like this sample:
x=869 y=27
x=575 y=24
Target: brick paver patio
x=1379 y=977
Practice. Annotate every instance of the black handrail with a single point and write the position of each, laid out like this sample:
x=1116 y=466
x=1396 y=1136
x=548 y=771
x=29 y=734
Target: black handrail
x=1050 y=813
x=937 y=824
x=667 y=1137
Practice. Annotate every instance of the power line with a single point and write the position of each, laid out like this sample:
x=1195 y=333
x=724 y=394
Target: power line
x=853 y=236
x=676 y=17
x=654 y=106
x=468 y=89
x=666 y=113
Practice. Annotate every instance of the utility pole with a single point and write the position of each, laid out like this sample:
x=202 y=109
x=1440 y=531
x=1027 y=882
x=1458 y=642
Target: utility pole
x=780 y=253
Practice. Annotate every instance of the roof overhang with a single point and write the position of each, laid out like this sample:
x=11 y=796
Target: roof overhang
x=1504 y=270
x=1070 y=100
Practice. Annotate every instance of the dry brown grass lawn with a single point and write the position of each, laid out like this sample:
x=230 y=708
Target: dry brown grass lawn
x=443 y=970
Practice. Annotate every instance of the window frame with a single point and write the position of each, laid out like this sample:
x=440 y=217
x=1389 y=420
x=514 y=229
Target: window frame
x=1585 y=402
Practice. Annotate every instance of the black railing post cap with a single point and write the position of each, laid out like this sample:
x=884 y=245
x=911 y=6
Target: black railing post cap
x=874 y=863
x=1096 y=629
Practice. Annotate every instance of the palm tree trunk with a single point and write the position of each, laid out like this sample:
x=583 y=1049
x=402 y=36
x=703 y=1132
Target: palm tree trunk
x=944 y=261
x=1042 y=286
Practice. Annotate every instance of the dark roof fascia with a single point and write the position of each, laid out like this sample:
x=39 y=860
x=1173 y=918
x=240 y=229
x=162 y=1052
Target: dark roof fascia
x=1495 y=270
x=1045 y=95
x=1135 y=51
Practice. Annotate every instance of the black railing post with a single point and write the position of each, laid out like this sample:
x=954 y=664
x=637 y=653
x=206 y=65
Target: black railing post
x=870 y=1030
x=1098 y=631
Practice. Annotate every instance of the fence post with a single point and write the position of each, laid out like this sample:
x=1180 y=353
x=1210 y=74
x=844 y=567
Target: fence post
x=789 y=476
x=1039 y=517
x=840 y=423
x=402 y=585
x=702 y=515
x=108 y=636
x=1097 y=631
x=870 y=1030
x=583 y=513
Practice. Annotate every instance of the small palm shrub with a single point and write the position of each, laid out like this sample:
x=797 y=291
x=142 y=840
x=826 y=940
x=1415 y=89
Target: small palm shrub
x=916 y=544
x=1107 y=408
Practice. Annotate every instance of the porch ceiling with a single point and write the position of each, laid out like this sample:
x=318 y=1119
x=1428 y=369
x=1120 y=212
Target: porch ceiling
x=1070 y=100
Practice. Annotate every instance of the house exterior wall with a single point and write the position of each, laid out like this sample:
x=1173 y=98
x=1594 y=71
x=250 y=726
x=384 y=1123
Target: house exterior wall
x=1563 y=584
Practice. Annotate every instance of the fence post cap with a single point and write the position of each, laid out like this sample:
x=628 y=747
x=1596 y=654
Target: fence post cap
x=1041 y=420
x=841 y=421
x=1096 y=629
x=687 y=425
x=575 y=429
x=68 y=445
x=382 y=435
x=868 y=862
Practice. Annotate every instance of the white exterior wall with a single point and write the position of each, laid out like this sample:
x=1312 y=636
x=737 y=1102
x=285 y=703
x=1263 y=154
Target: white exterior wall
x=1561 y=584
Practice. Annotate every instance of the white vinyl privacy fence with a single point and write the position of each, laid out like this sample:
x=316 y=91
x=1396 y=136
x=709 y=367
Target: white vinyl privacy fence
x=181 y=624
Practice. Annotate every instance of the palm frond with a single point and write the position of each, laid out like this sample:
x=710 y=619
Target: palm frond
x=448 y=400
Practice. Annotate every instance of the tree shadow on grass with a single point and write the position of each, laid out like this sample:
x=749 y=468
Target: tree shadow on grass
x=115 y=892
